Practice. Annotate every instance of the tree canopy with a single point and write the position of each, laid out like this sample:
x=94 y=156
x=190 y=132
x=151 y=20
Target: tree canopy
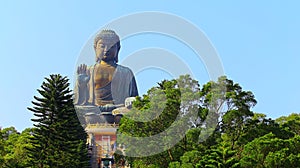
x=213 y=125
x=223 y=131
x=58 y=139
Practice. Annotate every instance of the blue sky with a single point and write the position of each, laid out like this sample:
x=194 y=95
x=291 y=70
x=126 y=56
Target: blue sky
x=257 y=42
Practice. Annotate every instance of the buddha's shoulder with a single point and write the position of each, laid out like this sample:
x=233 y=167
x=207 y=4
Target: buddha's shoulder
x=123 y=68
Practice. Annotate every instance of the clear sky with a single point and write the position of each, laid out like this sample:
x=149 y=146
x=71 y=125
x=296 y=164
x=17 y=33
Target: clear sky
x=258 y=43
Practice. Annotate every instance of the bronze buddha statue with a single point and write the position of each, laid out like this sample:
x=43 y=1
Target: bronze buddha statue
x=105 y=82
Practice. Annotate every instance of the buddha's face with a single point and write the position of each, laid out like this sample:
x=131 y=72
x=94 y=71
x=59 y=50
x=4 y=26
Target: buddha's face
x=106 y=50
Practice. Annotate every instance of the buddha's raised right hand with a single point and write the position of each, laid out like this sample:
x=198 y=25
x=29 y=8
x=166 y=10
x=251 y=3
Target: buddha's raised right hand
x=83 y=74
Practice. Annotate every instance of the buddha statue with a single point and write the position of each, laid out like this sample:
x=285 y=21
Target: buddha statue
x=105 y=84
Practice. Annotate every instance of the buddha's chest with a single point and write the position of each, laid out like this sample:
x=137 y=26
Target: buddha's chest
x=103 y=75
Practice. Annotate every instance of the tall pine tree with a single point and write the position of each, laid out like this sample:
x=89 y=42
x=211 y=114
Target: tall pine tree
x=58 y=139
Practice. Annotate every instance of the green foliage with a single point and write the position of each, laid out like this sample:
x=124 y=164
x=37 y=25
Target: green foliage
x=191 y=157
x=174 y=102
x=183 y=96
x=162 y=105
x=238 y=113
x=259 y=126
x=1 y=148
x=291 y=122
x=222 y=131
x=175 y=164
x=13 y=152
x=58 y=139
x=221 y=156
x=227 y=100
x=271 y=151
x=282 y=158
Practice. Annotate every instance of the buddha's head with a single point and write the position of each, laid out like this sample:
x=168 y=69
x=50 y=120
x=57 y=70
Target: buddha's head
x=107 y=46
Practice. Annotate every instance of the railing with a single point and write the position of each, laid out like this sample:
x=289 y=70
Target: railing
x=101 y=125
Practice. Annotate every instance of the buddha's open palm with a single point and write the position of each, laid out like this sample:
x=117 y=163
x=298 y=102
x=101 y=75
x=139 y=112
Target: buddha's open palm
x=83 y=73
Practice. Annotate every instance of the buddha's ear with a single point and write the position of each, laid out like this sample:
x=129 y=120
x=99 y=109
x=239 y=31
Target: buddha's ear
x=117 y=58
x=119 y=47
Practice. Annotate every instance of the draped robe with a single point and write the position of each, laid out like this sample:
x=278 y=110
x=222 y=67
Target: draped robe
x=123 y=85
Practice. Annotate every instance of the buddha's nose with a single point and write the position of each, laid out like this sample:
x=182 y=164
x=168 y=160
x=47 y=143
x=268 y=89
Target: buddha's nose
x=106 y=50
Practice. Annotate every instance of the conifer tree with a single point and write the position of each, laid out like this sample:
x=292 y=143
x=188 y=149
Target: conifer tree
x=58 y=139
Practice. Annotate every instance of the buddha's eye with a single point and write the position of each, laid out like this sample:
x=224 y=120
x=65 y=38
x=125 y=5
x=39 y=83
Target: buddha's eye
x=100 y=46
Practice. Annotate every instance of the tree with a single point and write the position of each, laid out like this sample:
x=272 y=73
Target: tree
x=173 y=103
x=1 y=148
x=221 y=156
x=13 y=152
x=226 y=110
x=58 y=139
x=10 y=136
x=291 y=122
x=20 y=151
x=259 y=126
x=149 y=108
x=271 y=151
